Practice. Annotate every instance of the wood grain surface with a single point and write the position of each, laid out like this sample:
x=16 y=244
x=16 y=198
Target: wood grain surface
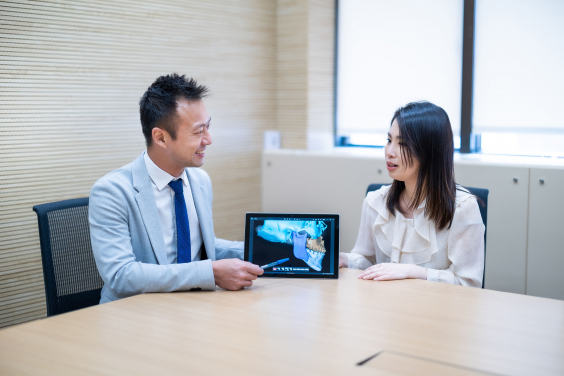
x=299 y=326
x=71 y=75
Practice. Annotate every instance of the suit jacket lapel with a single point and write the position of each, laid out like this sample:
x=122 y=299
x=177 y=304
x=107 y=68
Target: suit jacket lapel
x=204 y=211
x=148 y=208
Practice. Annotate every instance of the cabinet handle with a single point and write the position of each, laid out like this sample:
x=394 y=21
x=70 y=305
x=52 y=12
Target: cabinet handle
x=515 y=180
x=541 y=181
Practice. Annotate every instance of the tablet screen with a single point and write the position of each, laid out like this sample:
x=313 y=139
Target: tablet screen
x=293 y=245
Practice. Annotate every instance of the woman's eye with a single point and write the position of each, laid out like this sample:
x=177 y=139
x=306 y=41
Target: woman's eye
x=389 y=140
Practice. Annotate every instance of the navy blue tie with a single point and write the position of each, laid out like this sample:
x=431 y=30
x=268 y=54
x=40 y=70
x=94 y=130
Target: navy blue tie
x=183 y=248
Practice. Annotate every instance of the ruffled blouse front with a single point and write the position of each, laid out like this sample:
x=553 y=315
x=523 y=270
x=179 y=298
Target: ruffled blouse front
x=384 y=237
x=409 y=241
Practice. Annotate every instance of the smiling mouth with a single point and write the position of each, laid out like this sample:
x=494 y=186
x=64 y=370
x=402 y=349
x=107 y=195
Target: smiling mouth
x=391 y=164
x=200 y=152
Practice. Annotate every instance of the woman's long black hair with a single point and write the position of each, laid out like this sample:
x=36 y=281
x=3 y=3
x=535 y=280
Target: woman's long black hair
x=427 y=136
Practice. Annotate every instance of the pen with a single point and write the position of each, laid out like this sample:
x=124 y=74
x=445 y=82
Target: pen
x=275 y=263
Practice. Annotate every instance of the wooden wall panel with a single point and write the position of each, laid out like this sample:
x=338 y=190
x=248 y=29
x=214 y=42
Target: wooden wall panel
x=71 y=75
x=321 y=74
x=291 y=72
x=305 y=36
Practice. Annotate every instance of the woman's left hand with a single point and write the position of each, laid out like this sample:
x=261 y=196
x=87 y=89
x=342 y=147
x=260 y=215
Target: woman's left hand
x=388 y=272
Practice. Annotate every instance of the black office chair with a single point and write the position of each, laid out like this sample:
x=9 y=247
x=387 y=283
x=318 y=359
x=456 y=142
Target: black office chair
x=480 y=193
x=69 y=270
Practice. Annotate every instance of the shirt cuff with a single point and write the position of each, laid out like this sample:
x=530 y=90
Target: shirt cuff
x=433 y=275
x=357 y=261
x=350 y=261
x=436 y=275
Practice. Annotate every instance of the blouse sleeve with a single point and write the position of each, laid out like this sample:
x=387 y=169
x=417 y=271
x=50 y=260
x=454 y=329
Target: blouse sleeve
x=363 y=255
x=465 y=248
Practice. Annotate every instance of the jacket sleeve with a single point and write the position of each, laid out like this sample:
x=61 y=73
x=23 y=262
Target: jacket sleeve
x=228 y=249
x=115 y=258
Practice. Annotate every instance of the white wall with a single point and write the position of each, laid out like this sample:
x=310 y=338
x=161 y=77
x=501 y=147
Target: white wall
x=523 y=246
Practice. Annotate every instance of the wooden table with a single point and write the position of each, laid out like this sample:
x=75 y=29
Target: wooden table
x=298 y=326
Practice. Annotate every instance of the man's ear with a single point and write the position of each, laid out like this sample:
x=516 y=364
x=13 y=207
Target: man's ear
x=160 y=137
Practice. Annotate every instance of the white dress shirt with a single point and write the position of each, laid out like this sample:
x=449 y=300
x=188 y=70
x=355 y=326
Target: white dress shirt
x=164 y=197
x=453 y=255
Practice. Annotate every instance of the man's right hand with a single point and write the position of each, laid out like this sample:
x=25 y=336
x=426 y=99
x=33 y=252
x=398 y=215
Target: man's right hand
x=234 y=274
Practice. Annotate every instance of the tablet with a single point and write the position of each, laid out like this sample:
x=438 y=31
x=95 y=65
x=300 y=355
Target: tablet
x=293 y=245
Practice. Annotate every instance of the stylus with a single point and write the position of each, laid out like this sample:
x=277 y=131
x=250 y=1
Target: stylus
x=275 y=263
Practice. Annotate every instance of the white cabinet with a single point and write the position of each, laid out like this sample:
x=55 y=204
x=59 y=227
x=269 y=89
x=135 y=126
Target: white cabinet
x=506 y=242
x=545 y=261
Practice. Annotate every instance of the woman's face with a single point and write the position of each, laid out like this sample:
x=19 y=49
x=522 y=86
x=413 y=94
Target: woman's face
x=398 y=169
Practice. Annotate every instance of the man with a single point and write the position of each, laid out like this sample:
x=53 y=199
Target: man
x=151 y=220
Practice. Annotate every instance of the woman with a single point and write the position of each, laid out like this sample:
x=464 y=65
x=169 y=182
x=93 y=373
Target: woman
x=423 y=225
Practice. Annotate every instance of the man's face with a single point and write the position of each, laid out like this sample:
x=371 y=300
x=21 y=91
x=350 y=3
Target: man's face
x=192 y=134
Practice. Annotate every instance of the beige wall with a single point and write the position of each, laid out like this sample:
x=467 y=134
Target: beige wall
x=71 y=76
x=305 y=35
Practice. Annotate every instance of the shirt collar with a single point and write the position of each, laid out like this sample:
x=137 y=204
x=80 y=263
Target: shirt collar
x=160 y=177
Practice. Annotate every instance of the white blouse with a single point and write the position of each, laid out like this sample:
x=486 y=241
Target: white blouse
x=453 y=255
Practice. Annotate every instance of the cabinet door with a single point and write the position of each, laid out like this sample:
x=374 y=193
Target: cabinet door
x=295 y=182
x=506 y=242
x=545 y=257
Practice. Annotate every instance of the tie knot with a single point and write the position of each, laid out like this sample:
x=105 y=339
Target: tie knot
x=176 y=186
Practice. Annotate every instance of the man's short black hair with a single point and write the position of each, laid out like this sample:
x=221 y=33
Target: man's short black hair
x=157 y=106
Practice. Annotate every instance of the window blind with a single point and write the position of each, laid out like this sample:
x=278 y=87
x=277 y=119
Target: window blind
x=391 y=53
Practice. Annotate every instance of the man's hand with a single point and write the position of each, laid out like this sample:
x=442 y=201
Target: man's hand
x=234 y=274
x=388 y=272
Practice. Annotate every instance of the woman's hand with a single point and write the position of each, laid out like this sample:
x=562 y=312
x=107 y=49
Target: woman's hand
x=388 y=272
x=343 y=261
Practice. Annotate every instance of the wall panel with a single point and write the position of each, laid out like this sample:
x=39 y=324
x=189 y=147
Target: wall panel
x=291 y=72
x=305 y=36
x=71 y=75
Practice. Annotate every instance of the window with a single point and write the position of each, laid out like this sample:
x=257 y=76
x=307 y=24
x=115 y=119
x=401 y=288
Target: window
x=394 y=52
x=519 y=76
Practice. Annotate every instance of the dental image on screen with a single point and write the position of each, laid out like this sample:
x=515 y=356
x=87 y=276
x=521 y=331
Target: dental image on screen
x=296 y=246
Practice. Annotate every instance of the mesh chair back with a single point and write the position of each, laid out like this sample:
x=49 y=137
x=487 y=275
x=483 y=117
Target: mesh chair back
x=482 y=195
x=69 y=270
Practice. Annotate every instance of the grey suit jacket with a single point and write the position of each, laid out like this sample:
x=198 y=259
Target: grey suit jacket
x=127 y=239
